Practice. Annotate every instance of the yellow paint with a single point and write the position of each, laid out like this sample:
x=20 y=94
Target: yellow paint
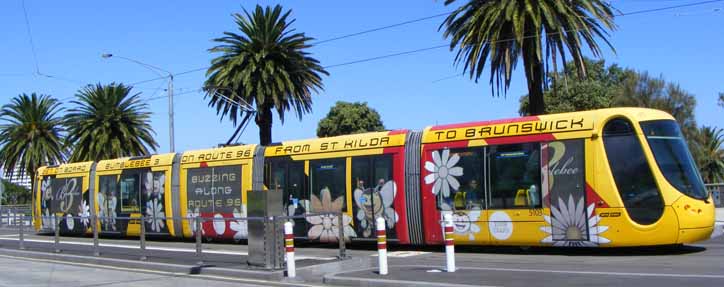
x=559 y=123
x=131 y=163
x=218 y=154
x=337 y=144
x=348 y=193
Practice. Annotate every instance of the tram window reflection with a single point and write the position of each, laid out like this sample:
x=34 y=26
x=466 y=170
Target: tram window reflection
x=327 y=181
x=515 y=176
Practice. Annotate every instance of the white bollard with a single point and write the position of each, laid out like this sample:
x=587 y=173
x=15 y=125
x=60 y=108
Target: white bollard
x=382 y=246
x=449 y=242
x=289 y=244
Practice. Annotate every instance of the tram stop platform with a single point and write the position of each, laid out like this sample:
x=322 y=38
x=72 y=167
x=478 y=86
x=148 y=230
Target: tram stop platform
x=217 y=259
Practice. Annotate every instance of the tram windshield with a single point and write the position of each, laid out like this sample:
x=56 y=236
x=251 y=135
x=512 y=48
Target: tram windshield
x=673 y=157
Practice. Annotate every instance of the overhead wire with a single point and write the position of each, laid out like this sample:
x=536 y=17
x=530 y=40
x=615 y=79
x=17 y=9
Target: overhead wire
x=30 y=37
x=375 y=58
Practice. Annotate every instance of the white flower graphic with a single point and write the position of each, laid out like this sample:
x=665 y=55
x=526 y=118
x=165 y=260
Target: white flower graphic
x=154 y=215
x=69 y=221
x=443 y=172
x=148 y=184
x=568 y=225
x=239 y=226
x=159 y=185
x=326 y=227
x=48 y=221
x=219 y=224
x=465 y=223
x=191 y=215
x=84 y=212
x=373 y=203
x=107 y=211
x=46 y=189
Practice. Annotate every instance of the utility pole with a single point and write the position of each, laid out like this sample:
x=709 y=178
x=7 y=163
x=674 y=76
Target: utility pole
x=170 y=111
x=172 y=146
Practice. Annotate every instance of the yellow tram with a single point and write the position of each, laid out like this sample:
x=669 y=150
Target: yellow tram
x=602 y=178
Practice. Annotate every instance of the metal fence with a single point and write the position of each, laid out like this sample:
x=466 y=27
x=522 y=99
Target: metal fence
x=21 y=221
x=717 y=193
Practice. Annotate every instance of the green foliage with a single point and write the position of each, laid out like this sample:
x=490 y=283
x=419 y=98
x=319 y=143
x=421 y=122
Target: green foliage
x=108 y=122
x=349 y=118
x=30 y=133
x=266 y=66
x=15 y=194
x=613 y=86
x=568 y=93
x=536 y=31
x=711 y=158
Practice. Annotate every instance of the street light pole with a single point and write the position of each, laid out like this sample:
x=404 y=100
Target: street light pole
x=170 y=111
x=170 y=92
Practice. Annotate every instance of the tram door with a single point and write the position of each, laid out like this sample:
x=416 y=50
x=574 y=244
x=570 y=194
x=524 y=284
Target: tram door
x=514 y=192
x=288 y=176
x=373 y=193
x=565 y=178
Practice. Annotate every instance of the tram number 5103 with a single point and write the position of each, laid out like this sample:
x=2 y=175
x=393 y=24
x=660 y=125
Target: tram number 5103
x=535 y=212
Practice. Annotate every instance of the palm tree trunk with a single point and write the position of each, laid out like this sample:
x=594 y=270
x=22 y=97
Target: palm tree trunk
x=534 y=77
x=264 y=121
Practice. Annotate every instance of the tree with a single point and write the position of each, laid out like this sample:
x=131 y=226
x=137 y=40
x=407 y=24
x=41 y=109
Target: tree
x=349 y=118
x=108 y=122
x=538 y=32
x=642 y=90
x=711 y=162
x=721 y=100
x=266 y=66
x=31 y=134
x=15 y=194
x=597 y=90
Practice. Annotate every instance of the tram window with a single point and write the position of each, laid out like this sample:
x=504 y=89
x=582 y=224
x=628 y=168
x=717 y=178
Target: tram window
x=631 y=172
x=467 y=192
x=373 y=193
x=129 y=194
x=295 y=188
x=107 y=196
x=328 y=174
x=515 y=176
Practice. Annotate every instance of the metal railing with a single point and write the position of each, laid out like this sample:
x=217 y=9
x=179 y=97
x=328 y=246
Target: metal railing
x=717 y=192
x=23 y=222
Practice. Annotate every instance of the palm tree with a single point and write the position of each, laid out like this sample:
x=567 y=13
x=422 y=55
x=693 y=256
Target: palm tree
x=265 y=66
x=108 y=122
x=712 y=160
x=31 y=134
x=538 y=31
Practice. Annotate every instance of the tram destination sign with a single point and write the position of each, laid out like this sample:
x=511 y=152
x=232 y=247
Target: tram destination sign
x=507 y=129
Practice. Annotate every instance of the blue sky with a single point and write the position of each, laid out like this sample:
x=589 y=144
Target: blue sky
x=683 y=45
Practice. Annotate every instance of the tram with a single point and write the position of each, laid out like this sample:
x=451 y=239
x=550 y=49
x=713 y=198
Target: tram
x=602 y=178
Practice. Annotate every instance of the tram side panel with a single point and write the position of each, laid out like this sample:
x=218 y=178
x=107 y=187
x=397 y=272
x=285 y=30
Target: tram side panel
x=213 y=185
x=361 y=175
x=128 y=188
x=63 y=193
